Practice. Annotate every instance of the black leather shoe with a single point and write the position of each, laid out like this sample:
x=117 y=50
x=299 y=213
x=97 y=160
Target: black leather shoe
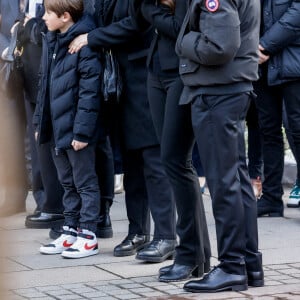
x=36 y=213
x=217 y=281
x=256 y=279
x=206 y=267
x=181 y=272
x=269 y=208
x=157 y=251
x=255 y=272
x=44 y=220
x=131 y=244
x=104 y=228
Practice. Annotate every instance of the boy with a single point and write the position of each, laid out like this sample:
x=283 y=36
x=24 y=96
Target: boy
x=67 y=114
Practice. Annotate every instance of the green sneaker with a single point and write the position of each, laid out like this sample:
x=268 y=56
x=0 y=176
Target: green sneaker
x=294 y=198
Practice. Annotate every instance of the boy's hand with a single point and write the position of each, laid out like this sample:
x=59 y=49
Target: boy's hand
x=36 y=135
x=78 y=145
x=78 y=43
x=262 y=57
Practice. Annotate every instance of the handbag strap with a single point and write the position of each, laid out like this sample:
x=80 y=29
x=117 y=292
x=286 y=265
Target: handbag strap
x=12 y=45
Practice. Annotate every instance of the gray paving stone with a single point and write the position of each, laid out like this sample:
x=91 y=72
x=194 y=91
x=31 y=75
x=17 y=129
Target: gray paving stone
x=128 y=296
x=69 y=297
x=291 y=281
x=94 y=294
x=131 y=286
x=48 y=288
x=272 y=282
x=60 y=292
x=82 y=290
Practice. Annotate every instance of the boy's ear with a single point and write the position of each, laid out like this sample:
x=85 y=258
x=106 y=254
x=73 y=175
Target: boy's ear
x=66 y=17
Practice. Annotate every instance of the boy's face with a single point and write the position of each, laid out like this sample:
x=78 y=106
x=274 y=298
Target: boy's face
x=53 y=22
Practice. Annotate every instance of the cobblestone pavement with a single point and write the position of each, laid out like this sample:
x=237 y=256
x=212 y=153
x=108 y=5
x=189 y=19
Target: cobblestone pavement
x=282 y=282
x=29 y=275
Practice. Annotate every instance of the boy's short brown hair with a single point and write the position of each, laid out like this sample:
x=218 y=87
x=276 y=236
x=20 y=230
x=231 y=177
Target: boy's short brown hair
x=59 y=7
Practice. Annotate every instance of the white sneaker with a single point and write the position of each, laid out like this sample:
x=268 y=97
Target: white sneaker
x=85 y=245
x=66 y=240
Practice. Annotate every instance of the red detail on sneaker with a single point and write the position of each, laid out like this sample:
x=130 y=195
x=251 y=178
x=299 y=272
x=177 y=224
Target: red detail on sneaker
x=66 y=244
x=87 y=247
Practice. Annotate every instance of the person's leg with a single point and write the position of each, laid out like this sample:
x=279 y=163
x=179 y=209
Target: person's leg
x=105 y=172
x=162 y=208
x=269 y=106
x=173 y=124
x=136 y=199
x=71 y=199
x=291 y=94
x=37 y=184
x=86 y=184
x=253 y=258
x=216 y=120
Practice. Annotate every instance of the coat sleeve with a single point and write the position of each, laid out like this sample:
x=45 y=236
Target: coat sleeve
x=162 y=19
x=217 y=38
x=114 y=34
x=89 y=95
x=285 y=31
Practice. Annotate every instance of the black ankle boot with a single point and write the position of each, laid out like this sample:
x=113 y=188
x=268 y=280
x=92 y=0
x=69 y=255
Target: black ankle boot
x=104 y=228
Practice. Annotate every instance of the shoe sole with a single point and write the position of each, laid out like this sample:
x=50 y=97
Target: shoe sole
x=293 y=205
x=256 y=283
x=206 y=269
x=130 y=252
x=271 y=214
x=43 y=225
x=71 y=255
x=50 y=253
x=169 y=255
x=235 y=288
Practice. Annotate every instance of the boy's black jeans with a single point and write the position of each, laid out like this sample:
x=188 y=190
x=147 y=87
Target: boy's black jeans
x=81 y=200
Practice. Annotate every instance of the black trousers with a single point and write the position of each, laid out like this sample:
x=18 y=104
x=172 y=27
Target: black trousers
x=77 y=174
x=269 y=104
x=46 y=188
x=218 y=123
x=147 y=189
x=105 y=169
x=173 y=126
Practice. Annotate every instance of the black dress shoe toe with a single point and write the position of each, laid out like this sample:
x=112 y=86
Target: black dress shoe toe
x=157 y=251
x=269 y=208
x=44 y=220
x=206 y=267
x=217 y=281
x=180 y=272
x=131 y=244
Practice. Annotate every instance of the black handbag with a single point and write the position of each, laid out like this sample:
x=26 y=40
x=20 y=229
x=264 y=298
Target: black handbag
x=112 y=80
x=11 y=67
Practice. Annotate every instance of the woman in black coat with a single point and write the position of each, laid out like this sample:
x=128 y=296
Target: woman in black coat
x=145 y=182
x=173 y=127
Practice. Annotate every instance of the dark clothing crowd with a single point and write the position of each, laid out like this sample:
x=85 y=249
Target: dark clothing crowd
x=155 y=90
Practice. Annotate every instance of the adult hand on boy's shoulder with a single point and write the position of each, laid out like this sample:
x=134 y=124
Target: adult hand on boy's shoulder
x=78 y=145
x=78 y=43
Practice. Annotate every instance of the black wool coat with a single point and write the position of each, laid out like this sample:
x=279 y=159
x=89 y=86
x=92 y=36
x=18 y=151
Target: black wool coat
x=118 y=30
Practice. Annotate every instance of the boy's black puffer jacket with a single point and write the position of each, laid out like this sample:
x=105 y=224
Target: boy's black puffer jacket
x=69 y=98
